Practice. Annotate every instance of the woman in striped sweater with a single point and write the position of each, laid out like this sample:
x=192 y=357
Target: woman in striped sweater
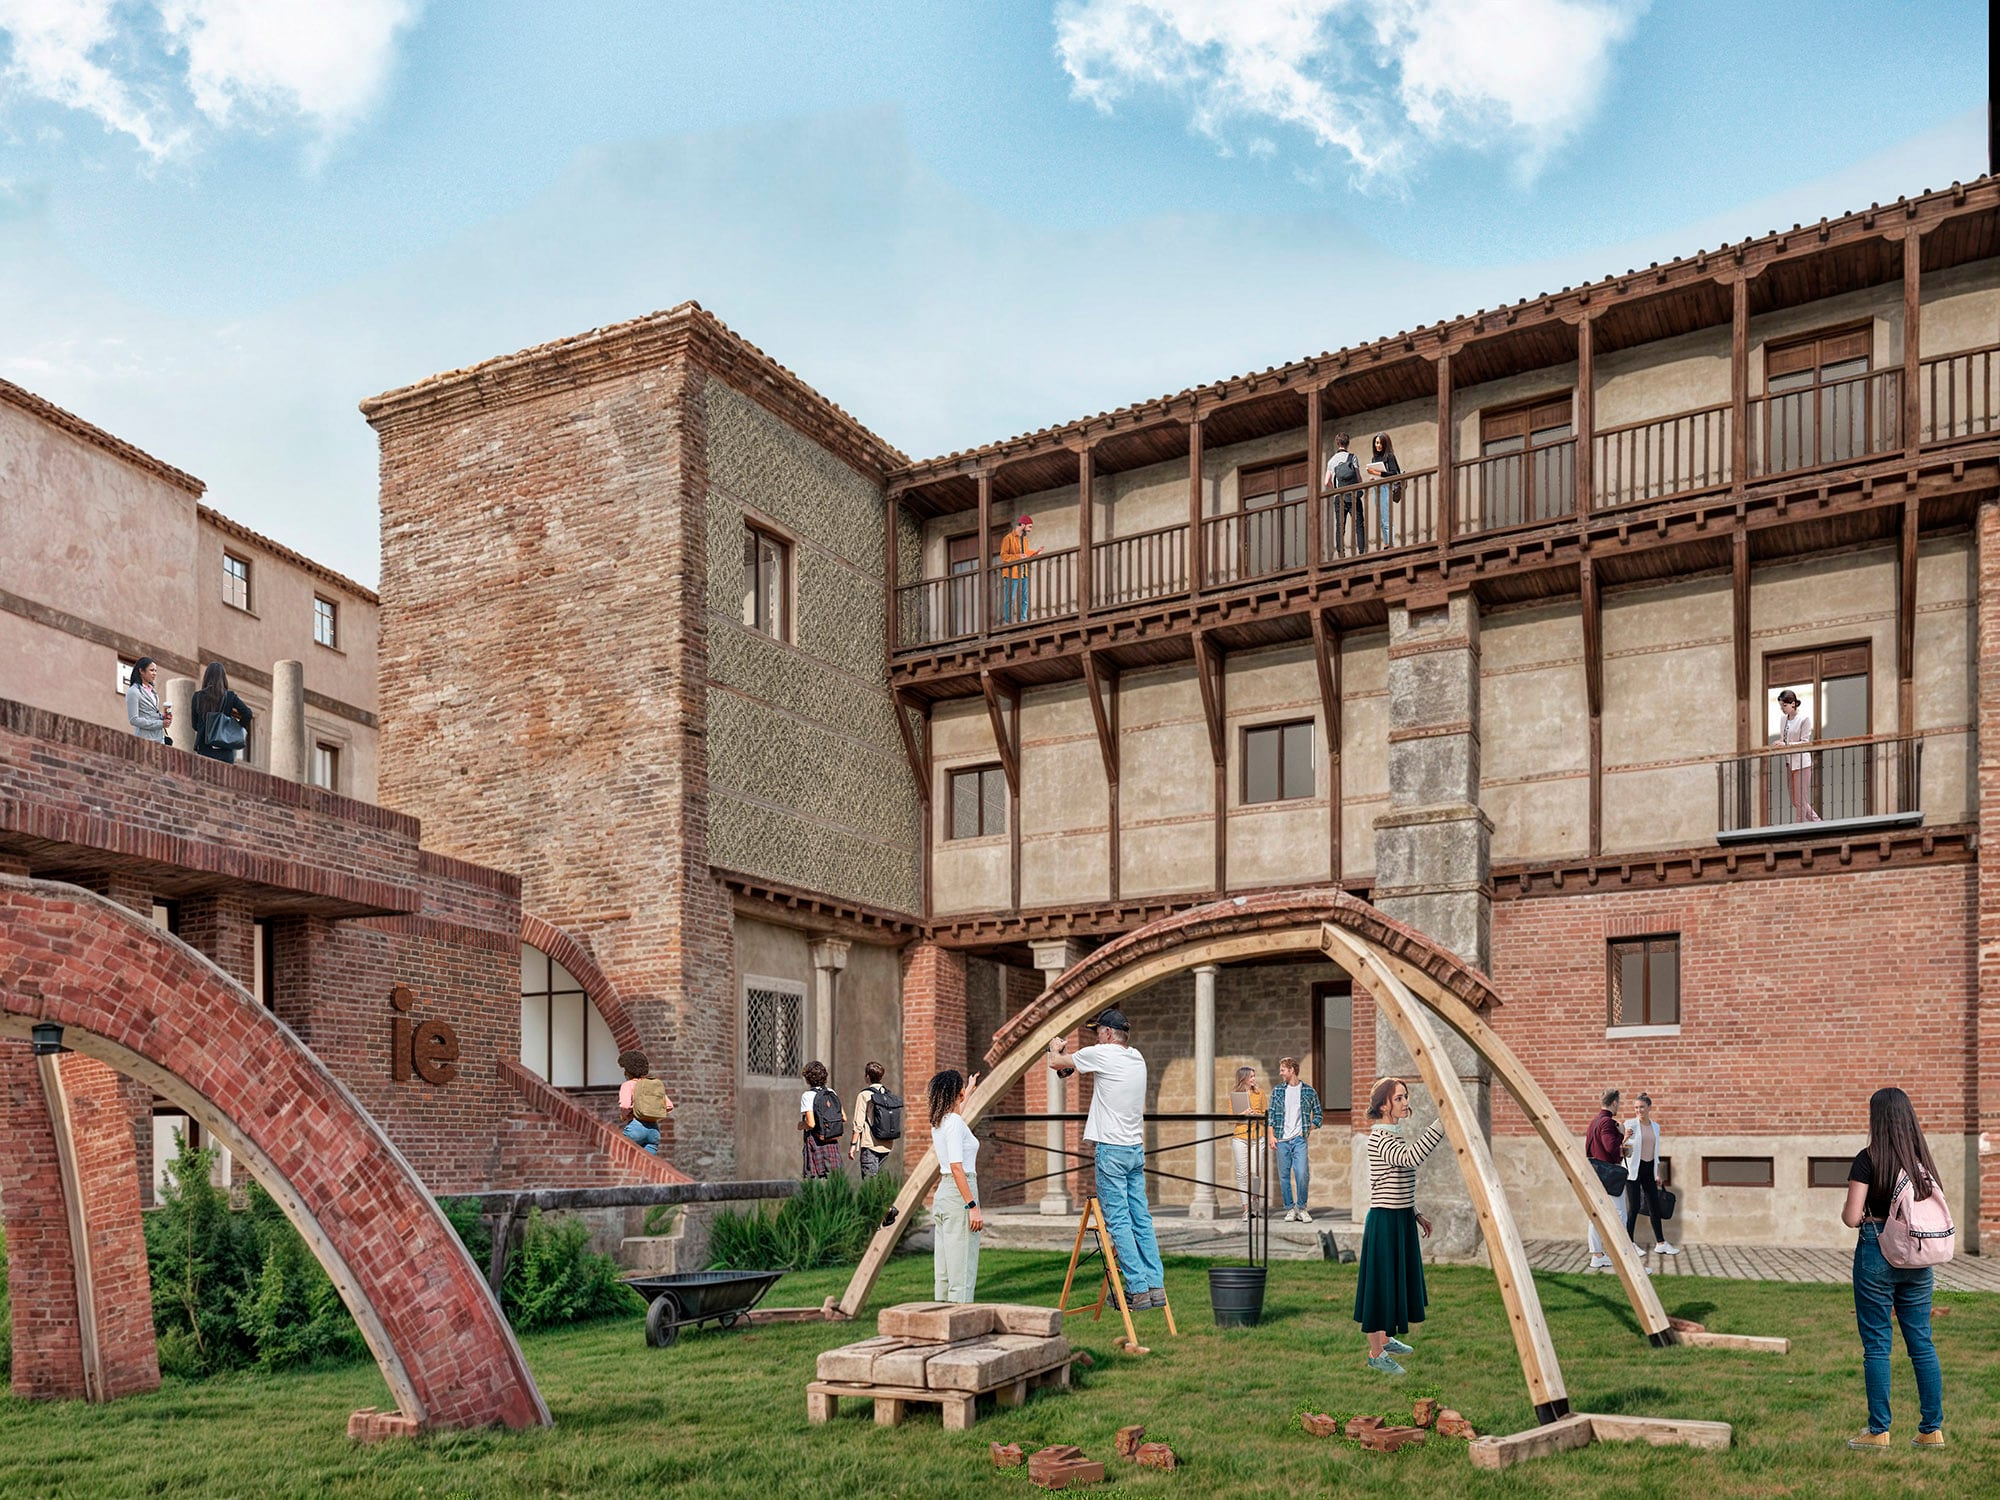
x=1389 y=1293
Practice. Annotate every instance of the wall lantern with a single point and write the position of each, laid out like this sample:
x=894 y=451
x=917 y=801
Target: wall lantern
x=48 y=1039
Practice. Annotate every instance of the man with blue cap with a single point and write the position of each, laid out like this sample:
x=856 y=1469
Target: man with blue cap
x=1117 y=1127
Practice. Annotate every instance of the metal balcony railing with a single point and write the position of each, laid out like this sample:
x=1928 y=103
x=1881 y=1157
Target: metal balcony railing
x=1789 y=791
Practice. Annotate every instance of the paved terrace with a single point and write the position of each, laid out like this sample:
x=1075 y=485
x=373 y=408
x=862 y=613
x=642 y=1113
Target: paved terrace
x=1024 y=1229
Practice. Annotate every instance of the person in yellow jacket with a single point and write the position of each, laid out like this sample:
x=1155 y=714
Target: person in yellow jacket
x=1014 y=555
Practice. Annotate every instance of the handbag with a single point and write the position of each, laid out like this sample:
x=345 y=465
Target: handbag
x=1610 y=1176
x=1666 y=1201
x=224 y=731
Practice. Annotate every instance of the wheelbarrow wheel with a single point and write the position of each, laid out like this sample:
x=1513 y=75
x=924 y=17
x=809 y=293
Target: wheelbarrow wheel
x=662 y=1320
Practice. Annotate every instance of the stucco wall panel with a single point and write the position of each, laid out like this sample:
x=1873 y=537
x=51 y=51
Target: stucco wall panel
x=1066 y=870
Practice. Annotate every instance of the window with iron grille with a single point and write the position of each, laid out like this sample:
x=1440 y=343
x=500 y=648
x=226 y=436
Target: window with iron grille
x=774 y=1028
x=236 y=580
x=1645 y=981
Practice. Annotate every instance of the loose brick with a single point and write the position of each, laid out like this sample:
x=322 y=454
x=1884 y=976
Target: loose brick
x=1129 y=1439
x=1154 y=1456
x=1006 y=1455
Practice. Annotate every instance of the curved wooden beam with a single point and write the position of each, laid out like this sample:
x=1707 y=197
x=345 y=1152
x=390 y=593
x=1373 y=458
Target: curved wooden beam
x=1525 y=1318
x=1560 y=1140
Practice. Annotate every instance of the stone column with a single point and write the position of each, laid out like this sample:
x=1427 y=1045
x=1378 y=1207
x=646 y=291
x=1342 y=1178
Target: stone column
x=1202 y=1205
x=288 y=720
x=180 y=698
x=1053 y=959
x=1433 y=856
x=829 y=956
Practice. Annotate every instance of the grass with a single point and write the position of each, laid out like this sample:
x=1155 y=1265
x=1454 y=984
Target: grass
x=724 y=1413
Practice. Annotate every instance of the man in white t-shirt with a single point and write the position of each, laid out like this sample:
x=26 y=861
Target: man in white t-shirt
x=1117 y=1127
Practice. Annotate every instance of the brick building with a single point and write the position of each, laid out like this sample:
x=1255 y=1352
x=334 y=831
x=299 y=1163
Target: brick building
x=744 y=697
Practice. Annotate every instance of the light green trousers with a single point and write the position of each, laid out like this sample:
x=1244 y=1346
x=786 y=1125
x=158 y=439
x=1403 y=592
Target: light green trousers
x=954 y=1242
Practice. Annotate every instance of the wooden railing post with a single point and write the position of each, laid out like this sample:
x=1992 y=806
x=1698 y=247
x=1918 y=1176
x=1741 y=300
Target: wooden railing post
x=1586 y=419
x=1447 y=480
x=1314 y=503
x=1739 y=383
x=1913 y=264
x=1085 y=505
x=1194 y=507
x=983 y=616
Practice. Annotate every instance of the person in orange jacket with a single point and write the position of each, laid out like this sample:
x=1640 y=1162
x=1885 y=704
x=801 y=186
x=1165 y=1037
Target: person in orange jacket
x=1014 y=555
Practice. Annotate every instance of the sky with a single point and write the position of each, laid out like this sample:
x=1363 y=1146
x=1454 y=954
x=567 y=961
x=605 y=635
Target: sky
x=223 y=223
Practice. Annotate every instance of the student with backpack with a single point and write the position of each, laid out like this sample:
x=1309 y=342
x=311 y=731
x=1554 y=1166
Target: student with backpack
x=822 y=1126
x=1343 y=483
x=1895 y=1200
x=642 y=1103
x=878 y=1123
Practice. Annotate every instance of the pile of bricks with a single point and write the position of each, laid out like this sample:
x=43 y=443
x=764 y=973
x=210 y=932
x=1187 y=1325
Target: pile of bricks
x=1379 y=1436
x=1132 y=1445
x=1062 y=1465
x=950 y=1346
x=371 y=1426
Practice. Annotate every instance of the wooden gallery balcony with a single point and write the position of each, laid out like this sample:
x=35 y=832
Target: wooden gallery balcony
x=1834 y=422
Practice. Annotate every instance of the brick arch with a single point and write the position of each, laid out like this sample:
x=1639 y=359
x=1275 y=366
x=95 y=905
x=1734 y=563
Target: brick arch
x=149 y=1006
x=567 y=951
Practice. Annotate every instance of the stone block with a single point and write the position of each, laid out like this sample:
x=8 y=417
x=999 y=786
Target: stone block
x=941 y=1322
x=1319 y=1424
x=1006 y=1455
x=981 y=1364
x=1154 y=1456
x=908 y=1364
x=1434 y=770
x=1129 y=1439
x=856 y=1362
x=1039 y=1322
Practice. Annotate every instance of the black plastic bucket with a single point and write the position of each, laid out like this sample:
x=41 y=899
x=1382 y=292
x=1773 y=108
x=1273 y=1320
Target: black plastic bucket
x=1237 y=1294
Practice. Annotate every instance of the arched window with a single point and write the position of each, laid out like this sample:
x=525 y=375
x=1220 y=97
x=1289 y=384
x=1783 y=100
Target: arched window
x=563 y=1038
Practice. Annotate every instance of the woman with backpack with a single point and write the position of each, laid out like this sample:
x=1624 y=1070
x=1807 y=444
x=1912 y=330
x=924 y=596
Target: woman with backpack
x=1894 y=1199
x=955 y=1217
x=821 y=1124
x=643 y=1104
x=221 y=719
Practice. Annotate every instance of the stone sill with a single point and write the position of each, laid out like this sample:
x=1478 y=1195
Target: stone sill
x=1626 y=1033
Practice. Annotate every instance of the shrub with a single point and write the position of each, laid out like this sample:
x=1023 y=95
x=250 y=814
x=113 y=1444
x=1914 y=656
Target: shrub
x=202 y=1258
x=557 y=1278
x=291 y=1313
x=828 y=1222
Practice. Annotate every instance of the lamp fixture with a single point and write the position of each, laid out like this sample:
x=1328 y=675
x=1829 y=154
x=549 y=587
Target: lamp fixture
x=48 y=1039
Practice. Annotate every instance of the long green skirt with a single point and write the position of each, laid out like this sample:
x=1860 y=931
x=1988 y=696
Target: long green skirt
x=1389 y=1292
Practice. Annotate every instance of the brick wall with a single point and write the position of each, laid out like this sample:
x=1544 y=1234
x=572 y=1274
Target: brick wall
x=1986 y=1031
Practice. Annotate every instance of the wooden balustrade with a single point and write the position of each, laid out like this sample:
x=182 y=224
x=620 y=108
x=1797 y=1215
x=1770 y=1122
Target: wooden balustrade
x=1405 y=506
x=1961 y=394
x=1674 y=455
x=1832 y=423
x=1042 y=587
x=1255 y=543
x=1514 y=489
x=1145 y=565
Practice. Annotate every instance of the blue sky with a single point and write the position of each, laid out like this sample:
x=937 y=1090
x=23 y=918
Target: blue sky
x=224 y=222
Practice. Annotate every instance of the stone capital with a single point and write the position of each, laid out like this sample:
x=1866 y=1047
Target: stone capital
x=830 y=953
x=1054 y=958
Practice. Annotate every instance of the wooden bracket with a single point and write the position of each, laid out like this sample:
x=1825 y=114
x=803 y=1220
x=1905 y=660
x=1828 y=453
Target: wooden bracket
x=920 y=765
x=1326 y=661
x=1208 y=671
x=1100 y=683
x=1010 y=760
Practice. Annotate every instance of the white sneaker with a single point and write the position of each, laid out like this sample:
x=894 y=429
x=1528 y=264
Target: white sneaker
x=1665 y=1249
x=1304 y=1217
x=1600 y=1262
x=1291 y=1214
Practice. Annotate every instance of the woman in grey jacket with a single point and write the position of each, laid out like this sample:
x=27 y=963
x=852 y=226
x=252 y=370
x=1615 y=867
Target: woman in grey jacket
x=143 y=710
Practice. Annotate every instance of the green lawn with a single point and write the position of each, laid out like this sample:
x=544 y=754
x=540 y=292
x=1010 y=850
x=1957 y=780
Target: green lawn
x=724 y=1413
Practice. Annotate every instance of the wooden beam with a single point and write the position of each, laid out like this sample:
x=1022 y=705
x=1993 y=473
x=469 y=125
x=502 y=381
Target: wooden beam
x=1208 y=674
x=1315 y=504
x=1913 y=308
x=1748 y=1343
x=1326 y=660
x=1094 y=682
x=1661 y=1431
x=1739 y=384
x=1739 y=621
x=920 y=763
x=984 y=614
x=1014 y=808
x=930 y=818
x=996 y=715
x=1586 y=413
x=893 y=626
x=1593 y=693
x=1447 y=480
x=1565 y=1435
x=1194 y=507
x=1086 y=504
x=1906 y=624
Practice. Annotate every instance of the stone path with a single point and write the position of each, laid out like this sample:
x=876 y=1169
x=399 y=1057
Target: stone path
x=1024 y=1229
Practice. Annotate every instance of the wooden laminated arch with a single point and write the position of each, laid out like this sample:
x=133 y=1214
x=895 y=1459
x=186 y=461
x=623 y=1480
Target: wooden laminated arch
x=1411 y=980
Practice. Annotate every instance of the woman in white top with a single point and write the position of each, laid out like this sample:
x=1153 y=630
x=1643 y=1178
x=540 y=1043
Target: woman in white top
x=1642 y=1175
x=955 y=1209
x=142 y=703
x=1796 y=728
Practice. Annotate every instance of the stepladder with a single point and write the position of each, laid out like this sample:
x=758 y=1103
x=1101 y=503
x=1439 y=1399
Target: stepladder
x=1092 y=1230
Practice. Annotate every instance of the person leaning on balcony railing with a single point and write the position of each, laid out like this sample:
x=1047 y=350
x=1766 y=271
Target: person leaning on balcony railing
x=1014 y=555
x=1796 y=728
x=1342 y=482
x=1382 y=465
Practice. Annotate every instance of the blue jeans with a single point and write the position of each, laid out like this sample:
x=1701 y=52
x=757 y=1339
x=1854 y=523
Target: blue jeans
x=639 y=1133
x=1382 y=506
x=1292 y=1163
x=1121 y=1188
x=1880 y=1291
x=1013 y=600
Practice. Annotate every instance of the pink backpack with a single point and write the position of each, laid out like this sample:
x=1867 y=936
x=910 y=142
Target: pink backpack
x=1918 y=1231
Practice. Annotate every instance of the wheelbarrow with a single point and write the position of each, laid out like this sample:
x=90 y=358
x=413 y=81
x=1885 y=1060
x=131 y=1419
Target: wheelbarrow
x=693 y=1298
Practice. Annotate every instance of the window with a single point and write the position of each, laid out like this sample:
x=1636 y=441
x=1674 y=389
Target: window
x=1827 y=1171
x=961 y=561
x=978 y=803
x=773 y=1027
x=326 y=622
x=1274 y=538
x=1817 y=408
x=1529 y=470
x=1333 y=1046
x=1736 y=1171
x=1833 y=687
x=563 y=1038
x=1278 y=762
x=1646 y=981
x=766 y=582
x=124 y=675
x=326 y=766
x=236 y=580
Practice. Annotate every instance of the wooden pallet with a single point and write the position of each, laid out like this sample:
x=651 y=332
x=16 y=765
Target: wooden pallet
x=892 y=1402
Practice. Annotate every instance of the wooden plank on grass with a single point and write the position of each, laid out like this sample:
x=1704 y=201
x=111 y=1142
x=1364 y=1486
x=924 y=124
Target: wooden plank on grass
x=1750 y=1341
x=1563 y=1435
x=1660 y=1431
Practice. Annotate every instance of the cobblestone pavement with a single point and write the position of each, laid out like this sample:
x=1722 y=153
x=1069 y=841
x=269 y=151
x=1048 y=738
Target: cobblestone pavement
x=1023 y=1229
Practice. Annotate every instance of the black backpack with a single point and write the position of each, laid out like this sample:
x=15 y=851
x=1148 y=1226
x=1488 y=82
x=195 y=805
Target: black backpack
x=829 y=1124
x=1346 y=469
x=885 y=1114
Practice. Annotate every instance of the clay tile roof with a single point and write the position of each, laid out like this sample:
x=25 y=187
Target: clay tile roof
x=237 y=529
x=97 y=437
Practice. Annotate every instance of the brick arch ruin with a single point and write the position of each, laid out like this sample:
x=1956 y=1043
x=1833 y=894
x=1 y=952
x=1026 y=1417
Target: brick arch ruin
x=136 y=1000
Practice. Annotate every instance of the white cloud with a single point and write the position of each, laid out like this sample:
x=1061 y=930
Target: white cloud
x=1377 y=80
x=145 y=69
